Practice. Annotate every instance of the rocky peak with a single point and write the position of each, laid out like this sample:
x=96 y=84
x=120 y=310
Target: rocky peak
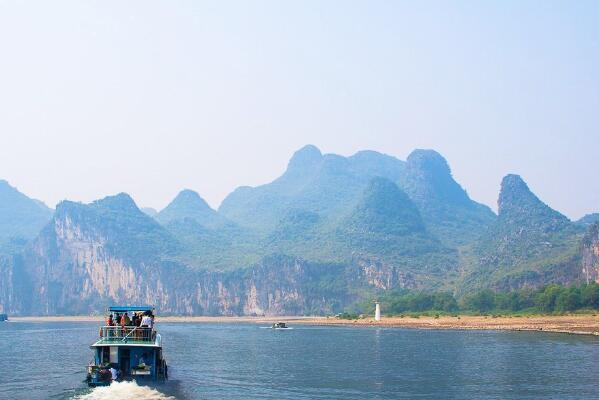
x=119 y=202
x=588 y=219
x=514 y=194
x=429 y=162
x=11 y=196
x=428 y=179
x=20 y=216
x=189 y=205
x=305 y=158
x=190 y=199
x=516 y=201
x=116 y=223
x=374 y=164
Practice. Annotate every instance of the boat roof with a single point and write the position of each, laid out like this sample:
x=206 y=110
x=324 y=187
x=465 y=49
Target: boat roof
x=130 y=308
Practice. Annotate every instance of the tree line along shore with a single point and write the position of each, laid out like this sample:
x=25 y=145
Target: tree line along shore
x=552 y=299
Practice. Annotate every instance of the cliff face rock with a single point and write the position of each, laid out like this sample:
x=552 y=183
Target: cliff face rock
x=590 y=254
x=83 y=278
x=90 y=254
x=79 y=264
x=378 y=274
x=9 y=294
x=71 y=269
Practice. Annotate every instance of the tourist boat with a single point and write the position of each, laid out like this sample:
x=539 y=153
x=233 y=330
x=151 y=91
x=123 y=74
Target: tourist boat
x=280 y=325
x=127 y=352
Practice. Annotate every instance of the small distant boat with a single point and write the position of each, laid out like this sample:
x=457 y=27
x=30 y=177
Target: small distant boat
x=280 y=325
x=129 y=351
x=3 y=317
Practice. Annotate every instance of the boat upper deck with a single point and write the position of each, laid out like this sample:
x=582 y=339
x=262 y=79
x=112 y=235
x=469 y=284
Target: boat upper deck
x=128 y=335
x=129 y=326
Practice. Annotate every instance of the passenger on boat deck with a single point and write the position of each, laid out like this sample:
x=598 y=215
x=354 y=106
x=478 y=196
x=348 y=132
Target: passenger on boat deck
x=109 y=320
x=125 y=320
x=146 y=321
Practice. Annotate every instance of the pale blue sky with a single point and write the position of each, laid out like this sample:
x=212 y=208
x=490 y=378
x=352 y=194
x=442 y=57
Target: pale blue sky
x=149 y=97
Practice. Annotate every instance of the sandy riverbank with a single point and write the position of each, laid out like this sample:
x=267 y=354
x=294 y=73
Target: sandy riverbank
x=575 y=324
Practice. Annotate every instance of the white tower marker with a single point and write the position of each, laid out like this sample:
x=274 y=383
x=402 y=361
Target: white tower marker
x=377 y=311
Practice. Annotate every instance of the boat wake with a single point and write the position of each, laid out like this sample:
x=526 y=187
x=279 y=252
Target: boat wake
x=124 y=391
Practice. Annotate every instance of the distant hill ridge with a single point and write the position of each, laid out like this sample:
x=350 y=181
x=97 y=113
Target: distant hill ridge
x=329 y=231
x=21 y=218
x=330 y=185
x=189 y=204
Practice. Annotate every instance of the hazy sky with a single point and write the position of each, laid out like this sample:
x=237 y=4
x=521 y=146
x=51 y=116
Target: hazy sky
x=149 y=97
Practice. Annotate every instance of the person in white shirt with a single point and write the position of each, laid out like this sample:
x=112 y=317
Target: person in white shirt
x=114 y=373
x=146 y=321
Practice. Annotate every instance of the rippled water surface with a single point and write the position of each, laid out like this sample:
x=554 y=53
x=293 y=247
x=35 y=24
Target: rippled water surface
x=242 y=361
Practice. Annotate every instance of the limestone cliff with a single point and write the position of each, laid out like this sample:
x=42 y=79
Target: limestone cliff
x=590 y=254
x=91 y=256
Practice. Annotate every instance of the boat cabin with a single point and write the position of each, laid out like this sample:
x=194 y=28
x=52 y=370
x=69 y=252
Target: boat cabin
x=128 y=348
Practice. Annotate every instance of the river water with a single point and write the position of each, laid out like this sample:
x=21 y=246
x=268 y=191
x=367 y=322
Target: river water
x=241 y=361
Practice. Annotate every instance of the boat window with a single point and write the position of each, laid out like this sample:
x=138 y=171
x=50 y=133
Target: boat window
x=105 y=354
x=114 y=354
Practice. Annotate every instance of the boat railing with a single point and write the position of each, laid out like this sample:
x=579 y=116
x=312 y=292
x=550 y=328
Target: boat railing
x=127 y=334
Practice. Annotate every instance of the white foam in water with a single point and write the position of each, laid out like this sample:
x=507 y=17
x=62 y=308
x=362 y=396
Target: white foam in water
x=124 y=391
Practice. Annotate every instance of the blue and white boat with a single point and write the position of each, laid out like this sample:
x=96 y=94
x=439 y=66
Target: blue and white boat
x=128 y=351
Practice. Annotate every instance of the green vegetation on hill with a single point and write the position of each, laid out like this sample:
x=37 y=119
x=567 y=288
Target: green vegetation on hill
x=387 y=224
x=529 y=242
x=390 y=223
x=326 y=208
x=127 y=232
x=445 y=207
x=331 y=186
x=225 y=248
x=384 y=223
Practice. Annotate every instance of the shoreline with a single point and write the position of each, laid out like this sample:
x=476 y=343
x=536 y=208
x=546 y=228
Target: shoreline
x=570 y=324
